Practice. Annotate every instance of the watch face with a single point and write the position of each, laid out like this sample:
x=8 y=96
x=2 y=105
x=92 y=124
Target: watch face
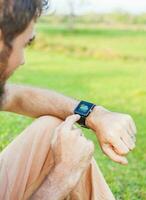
x=84 y=108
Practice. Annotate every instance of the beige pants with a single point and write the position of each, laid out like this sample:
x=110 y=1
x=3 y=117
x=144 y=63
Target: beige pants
x=26 y=162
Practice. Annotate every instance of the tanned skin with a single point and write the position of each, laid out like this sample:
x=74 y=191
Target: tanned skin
x=115 y=132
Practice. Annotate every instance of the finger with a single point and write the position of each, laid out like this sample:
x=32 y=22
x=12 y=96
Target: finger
x=70 y=121
x=133 y=138
x=131 y=135
x=55 y=136
x=107 y=149
x=120 y=148
x=129 y=129
x=128 y=140
x=57 y=131
x=60 y=126
x=133 y=127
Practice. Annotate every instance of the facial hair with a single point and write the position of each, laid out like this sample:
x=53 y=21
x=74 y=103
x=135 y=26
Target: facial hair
x=1 y=89
x=4 y=55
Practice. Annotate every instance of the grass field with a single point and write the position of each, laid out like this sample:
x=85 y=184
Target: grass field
x=107 y=67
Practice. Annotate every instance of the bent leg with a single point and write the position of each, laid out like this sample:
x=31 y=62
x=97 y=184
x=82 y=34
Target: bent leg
x=26 y=162
x=92 y=186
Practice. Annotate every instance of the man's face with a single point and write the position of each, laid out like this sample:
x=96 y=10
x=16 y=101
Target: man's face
x=17 y=56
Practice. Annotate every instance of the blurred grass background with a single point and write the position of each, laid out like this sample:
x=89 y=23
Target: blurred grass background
x=105 y=64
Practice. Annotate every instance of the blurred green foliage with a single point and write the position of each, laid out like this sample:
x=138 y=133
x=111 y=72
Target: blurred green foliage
x=117 y=18
x=107 y=67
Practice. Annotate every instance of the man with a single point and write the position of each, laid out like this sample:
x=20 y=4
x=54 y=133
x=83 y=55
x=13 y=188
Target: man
x=52 y=159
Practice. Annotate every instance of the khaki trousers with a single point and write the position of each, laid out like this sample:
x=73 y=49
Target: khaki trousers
x=27 y=161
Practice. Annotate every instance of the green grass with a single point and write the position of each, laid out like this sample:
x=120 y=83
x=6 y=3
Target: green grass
x=107 y=67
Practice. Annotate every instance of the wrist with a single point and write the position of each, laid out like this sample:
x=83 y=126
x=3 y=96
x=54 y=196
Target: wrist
x=91 y=119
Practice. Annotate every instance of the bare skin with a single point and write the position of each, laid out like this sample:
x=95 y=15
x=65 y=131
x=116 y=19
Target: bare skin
x=72 y=153
x=115 y=132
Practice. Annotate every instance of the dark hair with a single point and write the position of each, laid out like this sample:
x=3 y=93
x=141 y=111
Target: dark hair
x=15 y=16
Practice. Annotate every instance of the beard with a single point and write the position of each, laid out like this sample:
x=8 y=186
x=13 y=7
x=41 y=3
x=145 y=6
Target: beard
x=2 y=86
x=2 y=89
x=4 y=56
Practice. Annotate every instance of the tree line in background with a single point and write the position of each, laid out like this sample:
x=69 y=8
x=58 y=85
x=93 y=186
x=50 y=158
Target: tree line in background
x=93 y=20
x=75 y=10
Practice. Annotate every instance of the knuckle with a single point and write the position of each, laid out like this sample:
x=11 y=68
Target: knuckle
x=110 y=135
x=121 y=151
x=129 y=118
x=133 y=146
x=124 y=151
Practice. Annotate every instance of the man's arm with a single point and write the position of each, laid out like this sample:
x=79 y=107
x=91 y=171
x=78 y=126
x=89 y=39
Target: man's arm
x=72 y=155
x=115 y=131
x=36 y=102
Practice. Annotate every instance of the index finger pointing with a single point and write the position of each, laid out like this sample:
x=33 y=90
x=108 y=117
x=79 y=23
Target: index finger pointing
x=70 y=121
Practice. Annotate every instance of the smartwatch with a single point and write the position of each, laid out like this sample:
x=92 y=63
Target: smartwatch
x=84 y=109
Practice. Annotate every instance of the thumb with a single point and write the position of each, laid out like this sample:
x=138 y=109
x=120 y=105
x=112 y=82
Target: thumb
x=108 y=150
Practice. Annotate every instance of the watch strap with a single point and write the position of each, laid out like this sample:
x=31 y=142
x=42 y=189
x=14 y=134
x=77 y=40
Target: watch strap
x=82 y=122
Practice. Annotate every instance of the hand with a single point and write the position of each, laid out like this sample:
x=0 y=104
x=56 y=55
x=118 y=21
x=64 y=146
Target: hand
x=71 y=149
x=72 y=154
x=115 y=132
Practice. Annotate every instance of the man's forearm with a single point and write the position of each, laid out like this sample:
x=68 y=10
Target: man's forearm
x=36 y=102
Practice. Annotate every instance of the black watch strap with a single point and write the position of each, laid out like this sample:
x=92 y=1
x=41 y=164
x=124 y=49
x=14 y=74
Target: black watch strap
x=82 y=122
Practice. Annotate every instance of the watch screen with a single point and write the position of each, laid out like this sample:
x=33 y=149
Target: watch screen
x=83 y=108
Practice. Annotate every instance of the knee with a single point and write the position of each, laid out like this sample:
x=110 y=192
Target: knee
x=49 y=121
x=45 y=126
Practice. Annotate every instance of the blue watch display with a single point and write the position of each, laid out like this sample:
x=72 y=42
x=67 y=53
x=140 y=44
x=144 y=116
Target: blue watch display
x=84 y=109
